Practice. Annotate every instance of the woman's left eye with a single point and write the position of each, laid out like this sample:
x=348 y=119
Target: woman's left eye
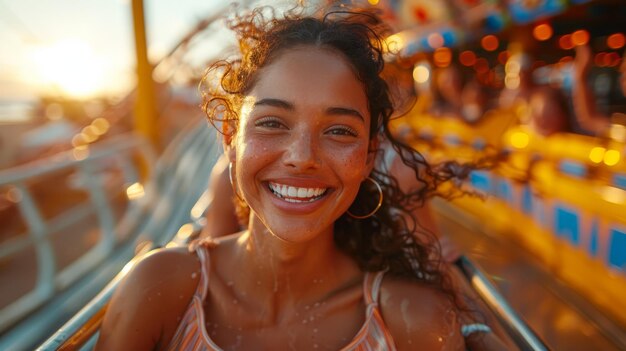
x=347 y=131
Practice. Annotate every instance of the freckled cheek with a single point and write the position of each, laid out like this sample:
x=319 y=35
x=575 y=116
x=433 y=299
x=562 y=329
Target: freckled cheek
x=350 y=164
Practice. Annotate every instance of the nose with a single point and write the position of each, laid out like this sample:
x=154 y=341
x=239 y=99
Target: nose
x=302 y=152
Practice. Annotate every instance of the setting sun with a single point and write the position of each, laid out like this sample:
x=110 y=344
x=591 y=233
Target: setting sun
x=70 y=68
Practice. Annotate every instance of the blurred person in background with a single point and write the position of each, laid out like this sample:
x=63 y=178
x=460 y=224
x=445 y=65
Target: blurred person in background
x=519 y=81
x=474 y=101
x=587 y=113
x=447 y=91
x=548 y=111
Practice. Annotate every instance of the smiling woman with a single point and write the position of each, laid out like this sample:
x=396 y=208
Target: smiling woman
x=69 y=67
x=329 y=259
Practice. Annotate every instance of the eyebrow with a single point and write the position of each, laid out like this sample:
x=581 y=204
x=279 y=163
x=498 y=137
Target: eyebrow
x=344 y=111
x=289 y=106
x=275 y=103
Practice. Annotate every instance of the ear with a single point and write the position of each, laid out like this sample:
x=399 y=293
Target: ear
x=229 y=135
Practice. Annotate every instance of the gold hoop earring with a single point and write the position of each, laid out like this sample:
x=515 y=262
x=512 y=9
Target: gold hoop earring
x=232 y=184
x=380 y=201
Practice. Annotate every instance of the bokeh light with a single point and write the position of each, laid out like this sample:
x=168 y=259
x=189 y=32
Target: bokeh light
x=565 y=42
x=442 y=57
x=616 y=41
x=467 y=58
x=542 y=32
x=490 y=42
x=421 y=73
x=580 y=37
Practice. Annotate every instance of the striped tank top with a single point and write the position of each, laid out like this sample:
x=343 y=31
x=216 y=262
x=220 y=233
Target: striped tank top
x=191 y=334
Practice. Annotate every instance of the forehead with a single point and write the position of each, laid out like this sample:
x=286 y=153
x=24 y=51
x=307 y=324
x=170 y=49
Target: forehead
x=311 y=75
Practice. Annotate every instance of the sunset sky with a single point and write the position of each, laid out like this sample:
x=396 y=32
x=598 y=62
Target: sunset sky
x=81 y=48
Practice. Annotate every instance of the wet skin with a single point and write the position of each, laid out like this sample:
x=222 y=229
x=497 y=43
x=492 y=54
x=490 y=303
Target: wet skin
x=305 y=124
x=300 y=153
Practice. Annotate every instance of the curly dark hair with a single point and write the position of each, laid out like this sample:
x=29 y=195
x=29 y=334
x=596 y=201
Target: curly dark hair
x=387 y=240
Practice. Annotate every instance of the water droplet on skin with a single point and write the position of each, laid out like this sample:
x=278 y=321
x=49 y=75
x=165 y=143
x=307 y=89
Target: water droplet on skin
x=317 y=304
x=315 y=346
x=311 y=318
x=410 y=342
x=315 y=330
x=194 y=275
x=304 y=321
x=307 y=307
x=158 y=294
x=258 y=282
x=234 y=302
x=180 y=297
x=230 y=283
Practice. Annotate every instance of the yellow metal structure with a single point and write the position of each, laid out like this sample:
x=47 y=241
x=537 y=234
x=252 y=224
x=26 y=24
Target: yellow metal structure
x=145 y=103
x=562 y=197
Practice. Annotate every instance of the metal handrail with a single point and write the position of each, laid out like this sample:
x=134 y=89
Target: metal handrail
x=50 y=279
x=83 y=328
x=517 y=329
x=182 y=172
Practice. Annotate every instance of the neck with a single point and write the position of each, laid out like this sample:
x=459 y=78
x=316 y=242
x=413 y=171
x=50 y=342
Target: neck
x=287 y=275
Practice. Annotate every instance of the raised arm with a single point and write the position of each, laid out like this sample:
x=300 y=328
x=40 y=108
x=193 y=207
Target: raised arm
x=585 y=108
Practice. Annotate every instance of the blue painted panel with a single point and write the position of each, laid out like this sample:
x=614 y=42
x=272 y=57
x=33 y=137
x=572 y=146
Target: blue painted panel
x=479 y=144
x=573 y=168
x=617 y=249
x=452 y=139
x=504 y=190
x=566 y=224
x=481 y=180
x=595 y=238
x=525 y=11
x=527 y=200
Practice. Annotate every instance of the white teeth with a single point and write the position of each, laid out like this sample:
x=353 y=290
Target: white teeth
x=296 y=193
x=292 y=192
x=302 y=192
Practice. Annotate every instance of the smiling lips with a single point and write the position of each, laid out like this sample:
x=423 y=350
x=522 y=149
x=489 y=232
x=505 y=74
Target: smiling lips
x=296 y=194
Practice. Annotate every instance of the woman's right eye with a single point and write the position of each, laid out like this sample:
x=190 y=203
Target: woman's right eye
x=268 y=122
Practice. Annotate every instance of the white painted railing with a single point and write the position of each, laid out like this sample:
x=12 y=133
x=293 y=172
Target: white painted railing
x=176 y=180
x=116 y=153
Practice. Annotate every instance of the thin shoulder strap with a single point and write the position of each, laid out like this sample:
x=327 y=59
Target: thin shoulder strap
x=371 y=286
x=205 y=266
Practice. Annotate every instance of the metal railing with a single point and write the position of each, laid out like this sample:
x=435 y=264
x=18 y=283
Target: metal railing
x=517 y=329
x=177 y=177
x=115 y=153
x=81 y=332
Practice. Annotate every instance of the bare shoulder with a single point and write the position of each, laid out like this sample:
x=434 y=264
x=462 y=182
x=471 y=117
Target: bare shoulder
x=150 y=300
x=417 y=314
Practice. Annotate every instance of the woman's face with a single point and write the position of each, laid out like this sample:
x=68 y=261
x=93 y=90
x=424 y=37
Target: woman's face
x=301 y=148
